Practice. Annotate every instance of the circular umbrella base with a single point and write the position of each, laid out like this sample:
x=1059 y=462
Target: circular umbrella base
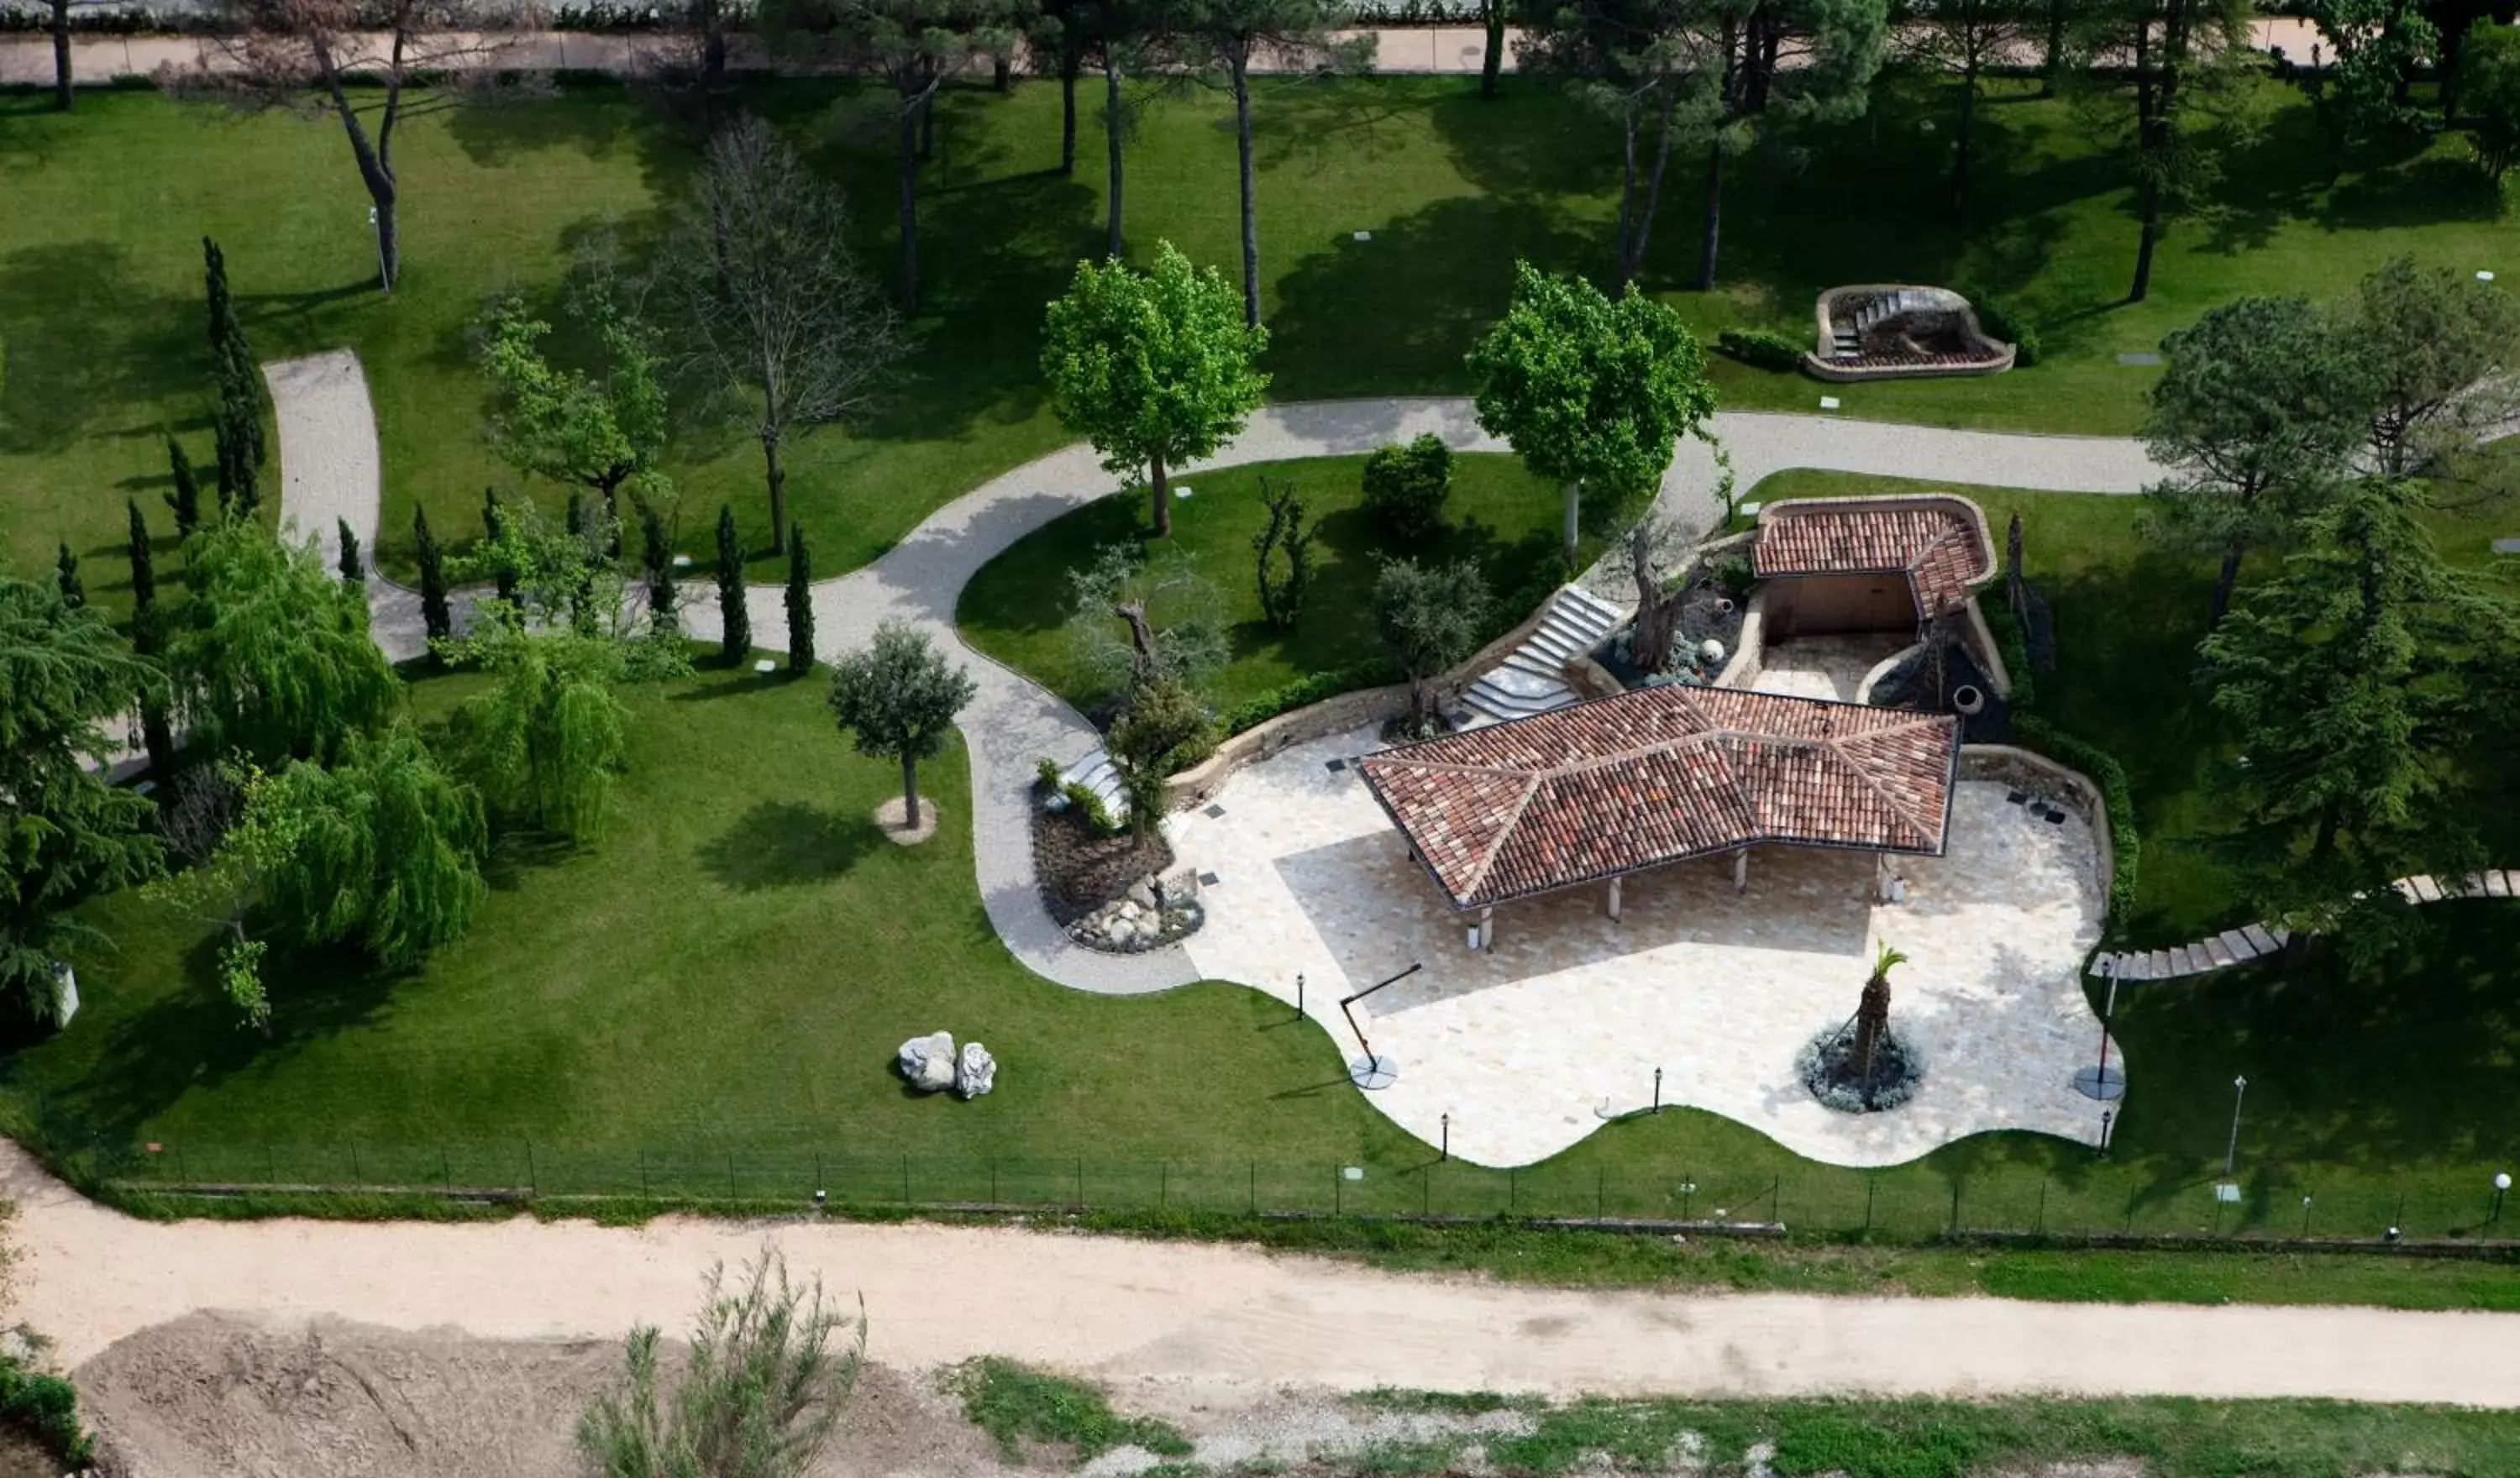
x=1371 y=1073
x=2102 y=1082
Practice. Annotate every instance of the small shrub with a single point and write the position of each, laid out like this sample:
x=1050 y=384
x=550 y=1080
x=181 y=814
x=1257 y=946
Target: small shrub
x=2008 y=327
x=45 y=1407
x=2117 y=797
x=1089 y=807
x=1737 y=577
x=1899 y=1071
x=2014 y=647
x=1762 y=348
x=1045 y=775
x=1016 y=1403
x=1404 y=488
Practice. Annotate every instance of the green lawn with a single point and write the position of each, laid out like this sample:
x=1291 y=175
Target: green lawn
x=100 y=267
x=1015 y=609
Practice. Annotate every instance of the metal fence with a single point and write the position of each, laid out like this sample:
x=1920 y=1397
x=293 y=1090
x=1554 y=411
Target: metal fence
x=1906 y=1203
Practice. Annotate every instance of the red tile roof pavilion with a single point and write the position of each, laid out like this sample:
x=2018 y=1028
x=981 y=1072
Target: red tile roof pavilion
x=1662 y=775
x=1937 y=540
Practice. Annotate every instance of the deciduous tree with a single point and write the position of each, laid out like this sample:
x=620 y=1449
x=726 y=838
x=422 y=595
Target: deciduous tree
x=1154 y=368
x=602 y=432
x=1287 y=542
x=1593 y=393
x=1962 y=39
x=546 y=742
x=270 y=656
x=2489 y=84
x=2374 y=50
x=898 y=698
x=771 y=302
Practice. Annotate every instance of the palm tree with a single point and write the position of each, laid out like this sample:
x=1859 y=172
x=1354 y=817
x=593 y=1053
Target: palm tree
x=1872 y=1016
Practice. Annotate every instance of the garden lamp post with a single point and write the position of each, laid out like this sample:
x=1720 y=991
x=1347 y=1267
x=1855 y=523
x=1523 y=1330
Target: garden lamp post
x=2231 y=1149
x=2104 y=1082
x=1657 y=1091
x=2501 y=1186
x=2106 y=1114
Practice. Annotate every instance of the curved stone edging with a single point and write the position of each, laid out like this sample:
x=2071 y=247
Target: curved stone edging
x=2256 y=941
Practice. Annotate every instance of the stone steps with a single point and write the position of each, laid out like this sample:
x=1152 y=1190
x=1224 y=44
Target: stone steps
x=1529 y=680
x=2256 y=941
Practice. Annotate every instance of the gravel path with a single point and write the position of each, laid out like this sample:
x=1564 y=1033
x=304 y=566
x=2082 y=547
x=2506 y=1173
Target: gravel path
x=329 y=462
x=1230 y=1318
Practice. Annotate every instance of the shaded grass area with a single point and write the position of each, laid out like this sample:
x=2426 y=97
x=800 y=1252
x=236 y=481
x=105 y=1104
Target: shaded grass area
x=1016 y=608
x=100 y=266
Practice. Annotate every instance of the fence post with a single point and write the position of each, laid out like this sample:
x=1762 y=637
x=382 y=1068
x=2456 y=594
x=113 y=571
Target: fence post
x=1338 y=1192
x=904 y=1178
x=1776 y=1189
x=1425 y=1191
x=1164 y=1184
x=818 y=1172
x=643 y=1171
x=1955 y=1227
x=993 y=1180
x=184 y=1178
x=2041 y=1227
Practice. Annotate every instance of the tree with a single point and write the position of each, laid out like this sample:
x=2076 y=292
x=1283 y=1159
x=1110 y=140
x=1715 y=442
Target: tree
x=599 y=433
x=546 y=741
x=270 y=656
x=1872 y=1016
x=65 y=578
x=2442 y=347
x=1963 y=38
x=354 y=569
x=434 y=616
x=1405 y=487
x=1173 y=617
x=1226 y=35
x=656 y=555
x=148 y=640
x=244 y=398
x=770 y=299
x=1154 y=368
x=2375 y=48
x=2259 y=409
x=235 y=432
x=735 y=618
x=1658 y=606
x=2353 y=680
x=494 y=532
x=800 y=604
x=1592 y=394
x=1288 y=540
x=186 y=496
x=760 y=1396
x=1492 y=18
x=65 y=836
x=2180 y=66
x=2489 y=83
x=552 y=578
x=352 y=61
x=899 y=698
x=1165 y=729
x=1429 y=617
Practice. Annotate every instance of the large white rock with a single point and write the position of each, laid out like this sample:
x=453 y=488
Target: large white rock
x=928 y=1062
x=975 y=1072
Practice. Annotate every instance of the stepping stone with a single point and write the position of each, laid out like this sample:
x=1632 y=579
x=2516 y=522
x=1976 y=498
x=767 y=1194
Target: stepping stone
x=2139 y=360
x=2237 y=946
x=2260 y=940
x=2157 y=965
x=2426 y=889
x=2181 y=963
x=2216 y=956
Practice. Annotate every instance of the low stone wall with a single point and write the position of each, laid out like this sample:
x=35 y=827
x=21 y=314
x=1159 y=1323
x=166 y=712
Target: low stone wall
x=1744 y=667
x=1980 y=643
x=2024 y=770
x=1820 y=366
x=1882 y=669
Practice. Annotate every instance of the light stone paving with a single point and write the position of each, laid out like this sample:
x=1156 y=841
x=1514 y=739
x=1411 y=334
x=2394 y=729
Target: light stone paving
x=1823 y=667
x=1533 y=1046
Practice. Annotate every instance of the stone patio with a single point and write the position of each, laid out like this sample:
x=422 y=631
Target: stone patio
x=1825 y=667
x=1533 y=1044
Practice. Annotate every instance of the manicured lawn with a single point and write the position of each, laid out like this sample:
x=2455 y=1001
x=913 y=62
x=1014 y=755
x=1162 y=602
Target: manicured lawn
x=100 y=267
x=1016 y=609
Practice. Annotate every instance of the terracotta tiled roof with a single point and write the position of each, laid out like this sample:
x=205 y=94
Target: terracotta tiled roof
x=1662 y=775
x=1939 y=542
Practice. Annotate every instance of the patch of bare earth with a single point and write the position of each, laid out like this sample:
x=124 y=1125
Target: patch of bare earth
x=1081 y=870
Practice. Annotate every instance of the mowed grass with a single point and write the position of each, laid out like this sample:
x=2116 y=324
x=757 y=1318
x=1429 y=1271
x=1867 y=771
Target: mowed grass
x=1016 y=609
x=100 y=268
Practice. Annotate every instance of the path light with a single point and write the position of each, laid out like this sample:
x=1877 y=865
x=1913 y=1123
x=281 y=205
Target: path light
x=2501 y=1186
x=2231 y=1151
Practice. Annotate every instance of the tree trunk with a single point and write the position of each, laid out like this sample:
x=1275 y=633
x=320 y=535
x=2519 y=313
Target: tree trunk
x=1644 y=232
x=1111 y=136
x=1627 y=192
x=1711 y=240
x=776 y=472
x=2224 y=581
x=712 y=46
x=1574 y=514
x=2147 y=111
x=158 y=737
x=2054 y=60
x=927 y=124
x=1159 y=488
x=1872 y=1022
x=1068 y=68
x=909 y=151
x=376 y=171
x=1242 y=64
x=1002 y=78
x=1491 y=14
x=61 y=99
x=1657 y=611
x=910 y=790
x=1968 y=126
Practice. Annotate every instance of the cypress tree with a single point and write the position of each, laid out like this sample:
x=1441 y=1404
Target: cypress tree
x=731 y=609
x=240 y=487
x=434 y=613
x=146 y=638
x=186 y=497
x=496 y=522
x=73 y=593
x=800 y=603
x=241 y=395
x=354 y=571
x=659 y=556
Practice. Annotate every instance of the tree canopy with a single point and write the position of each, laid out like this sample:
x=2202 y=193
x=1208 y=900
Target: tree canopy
x=601 y=431
x=1154 y=368
x=898 y=697
x=1593 y=392
x=1429 y=617
x=270 y=654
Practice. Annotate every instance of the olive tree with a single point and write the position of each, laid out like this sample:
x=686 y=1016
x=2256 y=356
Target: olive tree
x=899 y=697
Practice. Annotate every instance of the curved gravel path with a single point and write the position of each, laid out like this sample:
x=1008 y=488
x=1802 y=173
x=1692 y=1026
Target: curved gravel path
x=329 y=471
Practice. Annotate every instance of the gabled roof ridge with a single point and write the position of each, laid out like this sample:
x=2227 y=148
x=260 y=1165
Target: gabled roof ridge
x=1863 y=772
x=1502 y=833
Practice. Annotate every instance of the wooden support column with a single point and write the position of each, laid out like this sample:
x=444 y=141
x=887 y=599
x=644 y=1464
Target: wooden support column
x=1741 y=871
x=1614 y=898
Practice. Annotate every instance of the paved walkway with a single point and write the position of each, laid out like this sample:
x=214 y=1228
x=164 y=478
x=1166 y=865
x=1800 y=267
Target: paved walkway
x=1204 y=1315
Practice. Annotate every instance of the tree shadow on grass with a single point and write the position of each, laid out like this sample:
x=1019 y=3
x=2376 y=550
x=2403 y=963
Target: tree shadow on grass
x=779 y=844
x=86 y=343
x=735 y=683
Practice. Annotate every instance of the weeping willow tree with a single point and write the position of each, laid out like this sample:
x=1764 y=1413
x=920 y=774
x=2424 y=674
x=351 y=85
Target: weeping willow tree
x=270 y=656
x=547 y=741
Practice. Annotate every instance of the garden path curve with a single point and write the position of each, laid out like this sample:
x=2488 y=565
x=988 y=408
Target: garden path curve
x=326 y=425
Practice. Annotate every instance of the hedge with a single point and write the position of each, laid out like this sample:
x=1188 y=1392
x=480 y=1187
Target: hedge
x=2001 y=323
x=1304 y=692
x=2013 y=646
x=1762 y=348
x=2117 y=796
x=45 y=1407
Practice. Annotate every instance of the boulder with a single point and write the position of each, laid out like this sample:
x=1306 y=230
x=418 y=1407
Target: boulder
x=928 y=1062
x=1142 y=892
x=975 y=1072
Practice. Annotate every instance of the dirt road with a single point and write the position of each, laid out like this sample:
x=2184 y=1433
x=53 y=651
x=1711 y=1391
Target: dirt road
x=1222 y=1317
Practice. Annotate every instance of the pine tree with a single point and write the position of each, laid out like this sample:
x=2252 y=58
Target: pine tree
x=148 y=635
x=73 y=593
x=800 y=603
x=732 y=612
x=354 y=571
x=433 y=614
x=186 y=497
